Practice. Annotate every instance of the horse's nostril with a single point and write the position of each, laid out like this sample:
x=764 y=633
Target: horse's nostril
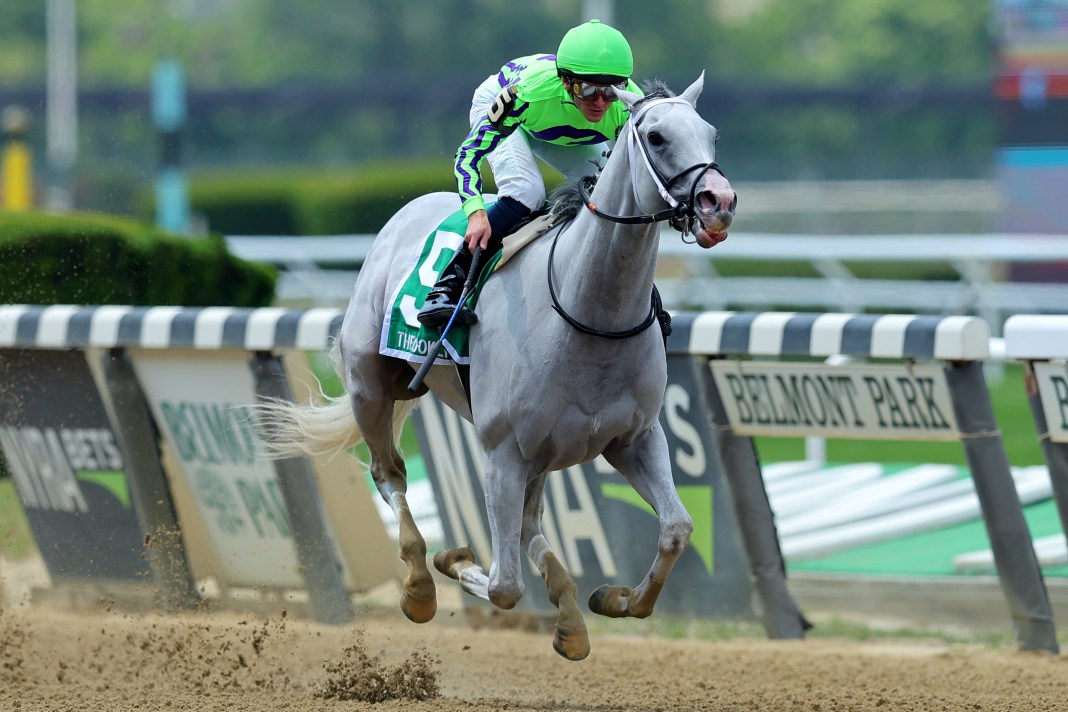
x=706 y=201
x=709 y=202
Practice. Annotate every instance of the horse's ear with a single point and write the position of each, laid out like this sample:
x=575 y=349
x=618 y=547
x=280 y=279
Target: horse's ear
x=694 y=90
x=628 y=98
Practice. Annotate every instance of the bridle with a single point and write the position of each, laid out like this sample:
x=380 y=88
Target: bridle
x=681 y=215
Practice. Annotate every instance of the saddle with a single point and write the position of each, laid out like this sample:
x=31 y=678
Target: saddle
x=533 y=227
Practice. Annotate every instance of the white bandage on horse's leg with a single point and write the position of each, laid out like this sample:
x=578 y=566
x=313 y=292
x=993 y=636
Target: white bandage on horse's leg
x=474 y=580
x=397 y=501
x=537 y=549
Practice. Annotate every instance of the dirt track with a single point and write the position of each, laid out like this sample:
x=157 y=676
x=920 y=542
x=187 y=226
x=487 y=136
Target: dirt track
x=106 y=660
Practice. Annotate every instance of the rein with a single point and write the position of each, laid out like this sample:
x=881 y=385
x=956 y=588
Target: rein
x=654 y=309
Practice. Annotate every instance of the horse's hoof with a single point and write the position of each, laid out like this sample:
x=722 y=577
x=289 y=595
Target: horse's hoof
x=445 y=559
x=419 y=610
x=609 y=601
x=572 y=644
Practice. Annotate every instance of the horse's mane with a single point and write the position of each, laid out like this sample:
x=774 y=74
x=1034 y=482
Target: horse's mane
x=565 y=201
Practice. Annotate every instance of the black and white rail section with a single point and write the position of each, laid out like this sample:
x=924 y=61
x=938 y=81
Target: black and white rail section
x=282 y=506
x=1041 y=343
x=758 y=373
x=730 y=341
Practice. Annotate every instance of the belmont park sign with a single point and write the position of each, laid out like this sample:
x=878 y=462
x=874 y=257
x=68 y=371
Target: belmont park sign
x=871 y=401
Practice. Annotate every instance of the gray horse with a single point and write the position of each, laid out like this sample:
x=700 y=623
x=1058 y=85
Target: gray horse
x=548 y=388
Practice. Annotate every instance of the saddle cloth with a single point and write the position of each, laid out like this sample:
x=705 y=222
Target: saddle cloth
x=402 y=334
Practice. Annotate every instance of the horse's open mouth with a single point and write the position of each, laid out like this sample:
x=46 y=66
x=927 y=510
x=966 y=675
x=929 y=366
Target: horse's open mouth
x=715 y=215
x=709 y=238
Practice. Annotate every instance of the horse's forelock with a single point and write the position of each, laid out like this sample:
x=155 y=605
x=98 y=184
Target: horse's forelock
x=653 y=89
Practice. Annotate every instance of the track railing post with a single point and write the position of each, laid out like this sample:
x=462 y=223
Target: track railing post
x=1055 y=453
x=322 y=573
x=1040 y=342
x=780 y=614
x=139 y=442
x=1010 y=539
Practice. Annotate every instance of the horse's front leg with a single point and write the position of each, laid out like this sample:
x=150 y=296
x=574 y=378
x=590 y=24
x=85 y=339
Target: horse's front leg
x=514 y=503
x=503 y=487
x=646 y=465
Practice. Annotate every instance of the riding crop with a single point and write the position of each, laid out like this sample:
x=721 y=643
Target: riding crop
x=432 y=352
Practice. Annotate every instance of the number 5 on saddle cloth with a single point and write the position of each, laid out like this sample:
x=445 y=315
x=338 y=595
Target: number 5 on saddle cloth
x=402 y=334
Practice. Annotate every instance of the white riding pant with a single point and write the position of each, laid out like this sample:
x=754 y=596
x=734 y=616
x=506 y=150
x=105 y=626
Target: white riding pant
x=514 y=161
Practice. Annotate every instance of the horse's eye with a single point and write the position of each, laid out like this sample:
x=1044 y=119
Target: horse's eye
x=656 y=138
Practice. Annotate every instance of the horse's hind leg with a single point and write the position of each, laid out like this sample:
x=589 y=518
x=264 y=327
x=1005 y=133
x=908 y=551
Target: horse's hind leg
x=571 y=638
x=373 y=407
x=646 y=466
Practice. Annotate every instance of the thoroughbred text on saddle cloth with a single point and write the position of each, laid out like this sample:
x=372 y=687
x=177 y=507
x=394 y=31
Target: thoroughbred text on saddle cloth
x=402 y=334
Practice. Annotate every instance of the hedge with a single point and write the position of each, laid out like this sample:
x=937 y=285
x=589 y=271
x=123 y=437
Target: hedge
x=86 y=258
x=303 y=202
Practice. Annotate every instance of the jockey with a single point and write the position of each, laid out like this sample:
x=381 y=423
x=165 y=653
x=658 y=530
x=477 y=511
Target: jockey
x=565 y=108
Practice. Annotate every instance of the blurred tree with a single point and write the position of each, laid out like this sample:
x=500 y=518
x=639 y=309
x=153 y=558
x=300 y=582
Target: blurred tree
x=843 y=88
x=256 y=43
x=22 y=57
x=835 y=41
x=252 y=43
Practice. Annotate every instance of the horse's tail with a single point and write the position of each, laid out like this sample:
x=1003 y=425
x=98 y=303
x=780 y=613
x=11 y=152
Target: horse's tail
x=295 y=429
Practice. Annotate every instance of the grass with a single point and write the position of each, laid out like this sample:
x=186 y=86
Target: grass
x=16 y=543
x=862 y=270
x=835 y=628
x=825 y=628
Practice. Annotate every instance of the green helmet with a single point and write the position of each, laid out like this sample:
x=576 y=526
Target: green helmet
x=594 y=49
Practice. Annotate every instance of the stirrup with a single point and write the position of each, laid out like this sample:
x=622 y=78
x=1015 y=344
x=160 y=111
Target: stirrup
x=438 y=309
x=440 y=317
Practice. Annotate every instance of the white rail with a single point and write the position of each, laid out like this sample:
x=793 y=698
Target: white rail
x=320 y=270
x=979 y=261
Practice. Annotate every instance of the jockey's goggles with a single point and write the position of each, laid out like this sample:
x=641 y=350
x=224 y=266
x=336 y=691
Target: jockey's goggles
x=581 y=89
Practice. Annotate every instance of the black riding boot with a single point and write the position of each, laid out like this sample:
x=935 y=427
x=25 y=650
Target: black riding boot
x=440 y=303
